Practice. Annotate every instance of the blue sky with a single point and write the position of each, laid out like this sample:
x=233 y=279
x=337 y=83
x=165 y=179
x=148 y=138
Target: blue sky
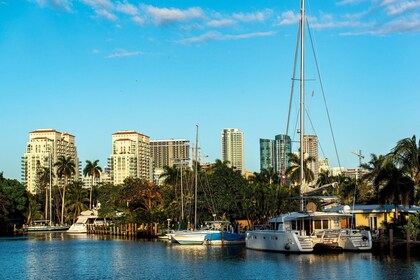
x=93 y=67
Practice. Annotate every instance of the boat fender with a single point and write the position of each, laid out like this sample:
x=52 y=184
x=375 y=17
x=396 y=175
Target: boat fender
x=287 y=246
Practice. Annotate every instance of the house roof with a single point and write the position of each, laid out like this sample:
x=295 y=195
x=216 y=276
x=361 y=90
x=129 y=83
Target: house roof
x=374 y=208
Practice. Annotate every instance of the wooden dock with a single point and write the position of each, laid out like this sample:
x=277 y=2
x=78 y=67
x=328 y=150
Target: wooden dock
x=130 y=230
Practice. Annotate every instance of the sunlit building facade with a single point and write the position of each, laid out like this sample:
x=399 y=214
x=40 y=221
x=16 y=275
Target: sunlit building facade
x=233 y=148
x=44 y=148
x=130 y=157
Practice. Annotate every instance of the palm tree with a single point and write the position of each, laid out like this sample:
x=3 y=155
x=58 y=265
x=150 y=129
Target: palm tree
x=65 y=168
x=77 y=200
x=324 y=177
x=94 y=170
x=170 y=175
x=394 y=186
x=44 y=176
x=293 y=171
x=407 y=156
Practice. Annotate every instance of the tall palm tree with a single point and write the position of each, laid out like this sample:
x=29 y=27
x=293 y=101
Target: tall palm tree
x=394 y=186
x=170 y=175
x=44 y=174
x=407 y=156
x=293 y=171
x=76 y=199
x=324 y=177
x=65 y=169
x=94 y=170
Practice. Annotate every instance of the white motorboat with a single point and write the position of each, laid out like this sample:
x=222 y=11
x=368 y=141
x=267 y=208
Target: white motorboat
x=88 y=217
x=286 y=234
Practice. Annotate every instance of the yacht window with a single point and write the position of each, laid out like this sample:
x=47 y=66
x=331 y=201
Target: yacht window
x=325 y=224
x=318 y=224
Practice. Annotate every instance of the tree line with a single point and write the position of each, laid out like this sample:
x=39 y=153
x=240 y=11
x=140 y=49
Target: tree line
x=222 y=193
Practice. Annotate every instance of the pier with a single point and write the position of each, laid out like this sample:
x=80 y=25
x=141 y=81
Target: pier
x=130 y=230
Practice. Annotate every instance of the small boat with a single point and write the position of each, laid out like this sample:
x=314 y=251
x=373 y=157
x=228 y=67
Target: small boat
x=88 y=217
x=201 y=236
x=44 y=225
x=223 y=236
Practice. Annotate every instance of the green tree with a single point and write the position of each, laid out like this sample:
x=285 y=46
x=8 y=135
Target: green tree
x=13 y=202
x=77 y=200
x=413 y=226
x=406 y=156
x=34 y=210
x=94 y=170
x=65 y=169
x=109 y=197
x=44 y=175
x=293 y=171
x=394 y=186
x=222 y=191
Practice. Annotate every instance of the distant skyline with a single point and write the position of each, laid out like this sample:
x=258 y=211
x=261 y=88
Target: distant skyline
x=95 y=67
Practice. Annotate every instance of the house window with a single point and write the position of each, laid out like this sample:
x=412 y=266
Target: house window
x=373 y=222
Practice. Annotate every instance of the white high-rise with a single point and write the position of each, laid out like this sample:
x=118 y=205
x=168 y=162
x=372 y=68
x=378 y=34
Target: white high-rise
x=130 y=156
x=42 y=150
x=233 y=148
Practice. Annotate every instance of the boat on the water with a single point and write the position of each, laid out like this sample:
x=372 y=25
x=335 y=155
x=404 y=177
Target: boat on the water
x=44 y=225
x=213 y=233
x=88 y=217
x=304 y=232
x=284 y=235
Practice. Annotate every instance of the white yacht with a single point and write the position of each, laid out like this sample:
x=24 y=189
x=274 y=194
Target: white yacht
x=88 y=217
x=302 y=232
x=286 y=234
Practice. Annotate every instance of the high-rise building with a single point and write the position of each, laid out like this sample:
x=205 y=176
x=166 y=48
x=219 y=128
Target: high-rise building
x=310 y=148
x=233 y=148
x=169 y=152
x=42 y=150
x=173 y=152
x=130 y=157
x=283 y=147
x=266 y=154
x=275 y=153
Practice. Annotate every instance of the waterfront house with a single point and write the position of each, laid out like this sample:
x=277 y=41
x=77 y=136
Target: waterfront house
x=375 y=216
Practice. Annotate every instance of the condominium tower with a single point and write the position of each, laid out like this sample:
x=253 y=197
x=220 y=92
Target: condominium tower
x=42 y=150
x=233 y=148
x=275 y=153
x=130 y=157
x=310 y=148
x=170 y=152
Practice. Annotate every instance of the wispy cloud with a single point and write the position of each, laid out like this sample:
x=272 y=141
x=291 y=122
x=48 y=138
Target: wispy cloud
x=350 y=2
x=287 y=18
x=402 y=7
x=139 y=20
x=165 y=16
x=65 y=5
x=217 y=36
x=127 y=8
x=252 y=17
x=120 y=53
x=102 y=8
x=221 y=22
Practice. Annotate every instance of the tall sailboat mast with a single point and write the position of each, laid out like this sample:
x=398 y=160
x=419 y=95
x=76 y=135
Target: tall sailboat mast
x=302 y=97
x=196 y=176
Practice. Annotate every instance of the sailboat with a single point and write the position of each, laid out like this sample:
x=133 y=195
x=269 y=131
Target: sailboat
x=46 y=225
x=301 y=232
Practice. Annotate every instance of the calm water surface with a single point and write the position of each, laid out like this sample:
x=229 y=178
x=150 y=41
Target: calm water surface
x=64 y=256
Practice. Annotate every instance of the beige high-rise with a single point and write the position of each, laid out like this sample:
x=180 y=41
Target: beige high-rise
x=233 y=148
x=42 y=150
x=170 y=152
x=310 y=148
x=130 y=156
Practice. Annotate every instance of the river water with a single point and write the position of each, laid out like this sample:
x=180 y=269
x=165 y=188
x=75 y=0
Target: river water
x=64 y=256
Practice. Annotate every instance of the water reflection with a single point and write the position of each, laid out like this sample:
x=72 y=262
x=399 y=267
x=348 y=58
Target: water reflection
x=60 y=255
